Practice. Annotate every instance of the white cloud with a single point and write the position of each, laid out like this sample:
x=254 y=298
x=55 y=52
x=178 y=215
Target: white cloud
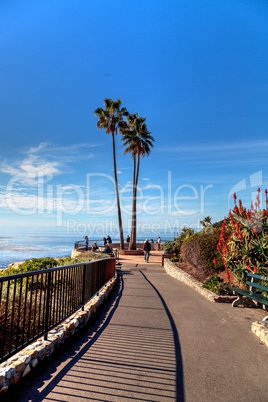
x=46 y=160
x=31 y=170
x=34 y=167
x=63 y=153
x=38 y=148
x=9 y=169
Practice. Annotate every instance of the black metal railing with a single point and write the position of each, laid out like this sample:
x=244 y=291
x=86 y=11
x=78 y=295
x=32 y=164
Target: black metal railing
x=33 y=303
x=79 y=244
x=82 y=244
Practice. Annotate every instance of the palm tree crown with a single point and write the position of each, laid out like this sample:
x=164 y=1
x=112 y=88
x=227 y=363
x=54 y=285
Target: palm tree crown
x=111 y=117
x=137 y=140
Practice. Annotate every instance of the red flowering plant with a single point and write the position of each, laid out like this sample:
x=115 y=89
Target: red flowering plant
x=243 y=242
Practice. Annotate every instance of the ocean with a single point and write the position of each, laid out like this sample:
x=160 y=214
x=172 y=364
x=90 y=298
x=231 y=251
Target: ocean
x=25 y=246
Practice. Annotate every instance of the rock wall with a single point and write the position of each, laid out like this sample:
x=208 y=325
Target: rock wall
x=182 y=276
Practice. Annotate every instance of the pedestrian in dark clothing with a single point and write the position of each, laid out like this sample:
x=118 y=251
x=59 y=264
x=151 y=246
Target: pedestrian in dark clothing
x=104 y=241
x=86 y=242
x=146 y=249
x=95 y=246
x=109 y=240
x=107 y=249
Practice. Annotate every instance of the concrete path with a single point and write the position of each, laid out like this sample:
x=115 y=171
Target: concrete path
x=157 y=340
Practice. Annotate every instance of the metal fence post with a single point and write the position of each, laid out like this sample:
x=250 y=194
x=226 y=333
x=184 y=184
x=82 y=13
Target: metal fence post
x=47 y=312
x=84 y=287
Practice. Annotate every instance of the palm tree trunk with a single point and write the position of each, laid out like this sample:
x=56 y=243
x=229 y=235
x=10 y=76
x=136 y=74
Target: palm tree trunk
x=120 y=226
x=133 y=238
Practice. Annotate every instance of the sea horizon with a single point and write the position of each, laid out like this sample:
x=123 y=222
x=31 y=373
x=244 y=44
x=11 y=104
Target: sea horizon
x=17 y=247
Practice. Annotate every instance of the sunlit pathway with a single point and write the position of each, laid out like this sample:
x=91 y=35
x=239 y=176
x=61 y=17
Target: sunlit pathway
x=131 y=353
x=133 y=358
x=157 y=340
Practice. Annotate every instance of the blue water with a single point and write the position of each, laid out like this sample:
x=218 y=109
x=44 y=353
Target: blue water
x=24 y=246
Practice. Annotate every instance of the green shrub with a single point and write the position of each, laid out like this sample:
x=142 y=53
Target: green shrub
x=35 y=264
x=216 y=285
x=200 y=250
x=174 y=247
x=76 y=260
x=170 y=247
x=38 y=264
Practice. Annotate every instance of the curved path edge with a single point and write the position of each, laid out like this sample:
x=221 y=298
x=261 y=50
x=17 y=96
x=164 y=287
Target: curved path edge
x=259 y=328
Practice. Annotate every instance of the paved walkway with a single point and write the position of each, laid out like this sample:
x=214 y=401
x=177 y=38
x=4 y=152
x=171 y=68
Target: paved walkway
x=157 y=340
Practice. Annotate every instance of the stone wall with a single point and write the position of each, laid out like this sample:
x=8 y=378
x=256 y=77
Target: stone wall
x=260 y=329
x=18 y=366
x=139 y=246
x=131 y=252
x=182 y=276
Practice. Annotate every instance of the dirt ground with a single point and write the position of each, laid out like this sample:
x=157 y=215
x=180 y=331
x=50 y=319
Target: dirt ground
x=155 y=257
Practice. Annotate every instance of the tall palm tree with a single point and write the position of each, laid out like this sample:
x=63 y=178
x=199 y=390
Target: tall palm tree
x=137 y=141
x=111 y=118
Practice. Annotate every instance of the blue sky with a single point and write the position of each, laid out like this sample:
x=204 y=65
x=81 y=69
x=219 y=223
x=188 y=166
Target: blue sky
x=197 y=70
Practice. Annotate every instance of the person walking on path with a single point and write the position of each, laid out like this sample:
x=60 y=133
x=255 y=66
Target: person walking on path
x=86 y=242
x=146 y=249
x=159 y=243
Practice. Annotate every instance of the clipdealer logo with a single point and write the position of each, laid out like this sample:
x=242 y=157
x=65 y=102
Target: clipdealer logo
x=254 y=181
x=97 y=198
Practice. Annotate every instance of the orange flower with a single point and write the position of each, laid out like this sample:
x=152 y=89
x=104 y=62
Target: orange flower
x=231 y=217
x=258 y=200
x=249 y=216
x=236 y=210
x=214 y=261
x=234 y=197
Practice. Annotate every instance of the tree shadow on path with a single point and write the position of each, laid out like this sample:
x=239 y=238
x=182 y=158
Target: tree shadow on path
x=47 y=376
x=179 y=366
x=73 y=349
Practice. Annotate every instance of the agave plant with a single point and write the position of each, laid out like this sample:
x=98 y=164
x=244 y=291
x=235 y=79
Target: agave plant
x=246 y=246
